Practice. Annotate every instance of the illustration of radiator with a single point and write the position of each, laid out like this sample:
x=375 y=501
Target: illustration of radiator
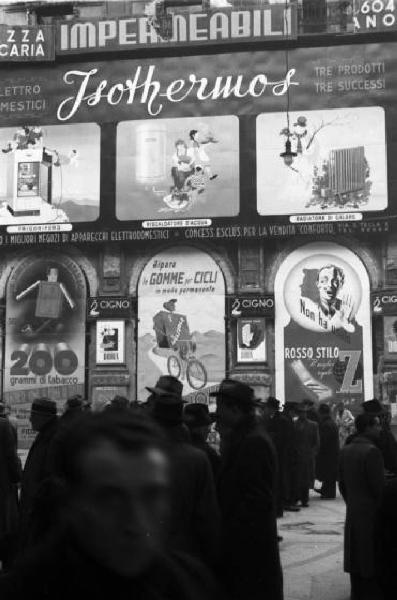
x=347 y=168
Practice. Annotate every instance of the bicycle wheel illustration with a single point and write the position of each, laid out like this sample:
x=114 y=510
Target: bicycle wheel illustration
x=174 y=366
x=196 y=374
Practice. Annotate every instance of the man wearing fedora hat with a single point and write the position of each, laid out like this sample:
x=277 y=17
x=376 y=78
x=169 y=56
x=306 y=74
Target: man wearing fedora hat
x=194 y=518
x=307 y=443
x=386 y=441
x=44 y=420
x=199 y=420
x=281 y=431
x=250 y=560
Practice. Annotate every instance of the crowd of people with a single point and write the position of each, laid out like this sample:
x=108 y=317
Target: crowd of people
x=134 y=498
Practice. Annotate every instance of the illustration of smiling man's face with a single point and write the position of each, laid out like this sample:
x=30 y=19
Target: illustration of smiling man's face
x=330 y=279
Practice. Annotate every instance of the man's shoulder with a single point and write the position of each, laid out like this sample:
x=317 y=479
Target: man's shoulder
x=189 y=454
x=360 y=445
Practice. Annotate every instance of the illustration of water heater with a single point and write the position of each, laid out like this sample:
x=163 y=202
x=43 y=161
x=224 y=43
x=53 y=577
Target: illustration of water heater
x=29 y=181
x=151 y=153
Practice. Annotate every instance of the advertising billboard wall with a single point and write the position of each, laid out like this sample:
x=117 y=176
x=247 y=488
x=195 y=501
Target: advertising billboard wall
x=334 y=105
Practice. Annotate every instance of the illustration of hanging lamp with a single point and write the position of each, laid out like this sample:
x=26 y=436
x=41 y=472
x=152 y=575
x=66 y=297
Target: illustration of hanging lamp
x=288 y=156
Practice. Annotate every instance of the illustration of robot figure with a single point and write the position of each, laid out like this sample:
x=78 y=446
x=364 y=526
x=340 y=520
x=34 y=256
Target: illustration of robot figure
x=49 y=305
x=190 y=166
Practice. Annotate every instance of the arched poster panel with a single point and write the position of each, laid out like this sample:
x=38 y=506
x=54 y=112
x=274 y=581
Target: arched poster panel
x=323 y=326
x=181 y=327
x=44 y=335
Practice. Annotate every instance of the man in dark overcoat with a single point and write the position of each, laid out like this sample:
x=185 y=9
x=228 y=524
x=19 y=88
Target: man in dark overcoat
x=361 y=482
x=44 y=420
x=281 y=431
x=250 y=561
x=386 y=441
x=328 y=455
x=194 y=521
x=199 y=421
x=307 y=442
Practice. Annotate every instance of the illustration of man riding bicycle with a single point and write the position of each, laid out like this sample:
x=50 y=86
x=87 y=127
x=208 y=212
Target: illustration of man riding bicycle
x=172 y=333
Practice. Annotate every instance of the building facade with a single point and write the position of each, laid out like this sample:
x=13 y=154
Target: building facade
x=210 y=200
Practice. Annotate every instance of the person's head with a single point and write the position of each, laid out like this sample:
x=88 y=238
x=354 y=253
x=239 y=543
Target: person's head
x=74 y=404
x=170 y=304
x=167 y=411
x=118 y=403
x=372 y=407
x=112 y=473
x=290 y=408
x=271 y=406
x=329 y=280
x=42 y=412
x=234 y=402
x=193 y=134
x=167 y=385
x=301 y=409
x=324 y=411
x=52 y=274
x=368 y=425
x=198 y=419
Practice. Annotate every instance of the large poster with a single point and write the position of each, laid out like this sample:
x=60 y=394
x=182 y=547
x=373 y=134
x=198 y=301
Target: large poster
x=337 y=161
x=49 y=174
x=323 y=326
x=45 y=333
x=178 y=166
x=181 y=327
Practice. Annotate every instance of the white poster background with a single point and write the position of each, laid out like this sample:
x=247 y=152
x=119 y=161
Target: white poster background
x=284 y=190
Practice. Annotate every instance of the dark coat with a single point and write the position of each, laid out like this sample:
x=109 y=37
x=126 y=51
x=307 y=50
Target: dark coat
x=361 y=482
x=10 y=475
x=194 y=524
x=388 y=446
x=250 y=561
x=328 y=455
x=212 y=455
x=307 y=442
x=388 y=540
x=37 y=466
x=37 y=470
x=281 y=431
x=62 y=571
